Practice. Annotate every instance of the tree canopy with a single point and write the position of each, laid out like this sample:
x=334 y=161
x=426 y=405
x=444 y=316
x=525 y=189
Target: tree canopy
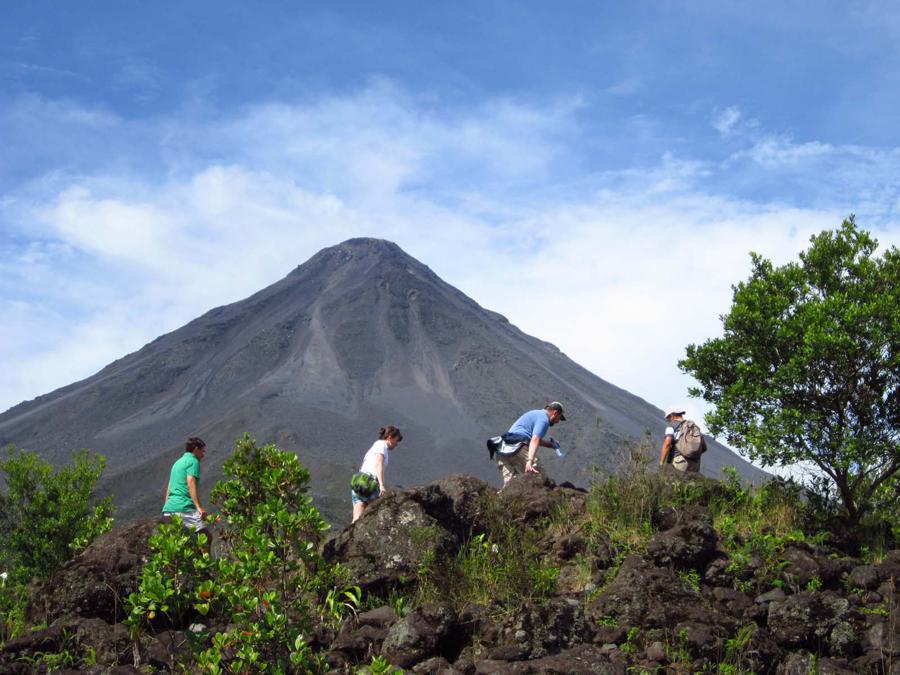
x=808 y=366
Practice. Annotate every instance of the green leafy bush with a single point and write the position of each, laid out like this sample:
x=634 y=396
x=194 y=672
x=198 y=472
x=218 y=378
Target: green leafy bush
x=175 y=582
x=46 y=516
x=265 y=582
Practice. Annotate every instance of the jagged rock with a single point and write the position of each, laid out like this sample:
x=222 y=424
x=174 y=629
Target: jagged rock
x=760 y=654
x=732 y=602
x=110 y=644
x=832 y=569
x=529 y=497
x=610 y=635
x=538 y=630
x=803 y=663
x=800 y=567
x=649 y=597
x=360 y=637
x=457 y=502
x=864 y=576
x=437 y=665
x=656 y=652
x=568 y=546
x=643 y=594
x=429 y=630
x=383 y=549
x=718 y=572
x=882 y=636
x=96 y=582
x=580 y=660
x=164 y=649
x=689 y=545
x=807 y=618
x=380 y=617
x=843 y=640
x=775 y=595
x=668 y=517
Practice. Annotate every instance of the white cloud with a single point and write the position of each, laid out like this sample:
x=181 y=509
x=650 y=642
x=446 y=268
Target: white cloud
x=626 y=87
x=775 y=151
x=110 y=260
x=724 y=122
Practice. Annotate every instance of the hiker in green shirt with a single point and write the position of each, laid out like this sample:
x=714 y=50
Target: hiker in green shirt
x=182 y=493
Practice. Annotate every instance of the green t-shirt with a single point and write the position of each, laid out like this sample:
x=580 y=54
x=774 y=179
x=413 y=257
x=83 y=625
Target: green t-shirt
x=179 y=496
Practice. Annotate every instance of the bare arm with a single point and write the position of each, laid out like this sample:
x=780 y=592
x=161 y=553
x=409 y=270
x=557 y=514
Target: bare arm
x=192 y=488
x=379 y=471
x=664 y=450
x=532 y=453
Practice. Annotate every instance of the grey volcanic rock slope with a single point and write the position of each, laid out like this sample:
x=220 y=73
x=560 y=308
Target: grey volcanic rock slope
x=359 y=336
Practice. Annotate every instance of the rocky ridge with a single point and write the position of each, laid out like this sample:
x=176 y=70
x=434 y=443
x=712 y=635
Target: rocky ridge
x=677 y=604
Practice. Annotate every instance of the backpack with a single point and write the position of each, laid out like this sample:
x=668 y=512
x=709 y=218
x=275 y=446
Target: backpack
x=690 y=443
x=364 y=484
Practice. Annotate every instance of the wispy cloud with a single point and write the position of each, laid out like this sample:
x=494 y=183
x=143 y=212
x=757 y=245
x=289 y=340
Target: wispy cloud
x=724 y=121
x=111 y=257
x=627 y=87
x=778 y=151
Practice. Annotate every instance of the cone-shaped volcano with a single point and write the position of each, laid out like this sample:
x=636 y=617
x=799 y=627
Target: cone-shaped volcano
x=360 y=336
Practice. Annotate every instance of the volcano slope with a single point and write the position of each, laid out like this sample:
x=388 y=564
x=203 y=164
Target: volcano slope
x=360 y=336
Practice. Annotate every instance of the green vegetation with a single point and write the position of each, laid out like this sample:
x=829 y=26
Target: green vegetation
x=807 y=368
x=265 y=579
x=46 y=516
x=503 y=567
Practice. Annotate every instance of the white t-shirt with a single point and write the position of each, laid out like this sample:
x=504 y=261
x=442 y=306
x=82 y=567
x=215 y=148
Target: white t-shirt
x=368 y=463
x=670 y=430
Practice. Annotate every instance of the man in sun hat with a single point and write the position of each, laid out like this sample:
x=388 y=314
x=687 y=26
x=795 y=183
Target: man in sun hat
x=528 y=433
x=668 y=453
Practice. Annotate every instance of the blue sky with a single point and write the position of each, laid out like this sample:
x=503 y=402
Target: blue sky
x=159 y=159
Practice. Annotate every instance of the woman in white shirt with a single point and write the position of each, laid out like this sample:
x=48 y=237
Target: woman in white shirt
x=376 y=458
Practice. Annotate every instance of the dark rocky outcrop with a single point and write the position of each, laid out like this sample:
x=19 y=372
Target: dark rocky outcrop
x=676 y=605
x=689 y=544
x=427 y=631
x=97 y=582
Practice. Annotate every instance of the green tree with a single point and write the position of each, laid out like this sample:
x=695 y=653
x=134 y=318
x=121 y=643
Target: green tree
x=47 y=514
x=808 y=366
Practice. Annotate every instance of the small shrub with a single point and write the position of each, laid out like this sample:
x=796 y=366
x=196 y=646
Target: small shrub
x=691 y=578
x=266 y=580
x=47 y=514
x=733 y=660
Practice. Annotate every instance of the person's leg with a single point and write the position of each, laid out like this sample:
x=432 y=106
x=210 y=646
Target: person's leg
x=506 y=471
x=358 y=508
x=511 y=465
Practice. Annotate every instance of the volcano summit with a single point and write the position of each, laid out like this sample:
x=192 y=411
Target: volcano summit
x=359 y=336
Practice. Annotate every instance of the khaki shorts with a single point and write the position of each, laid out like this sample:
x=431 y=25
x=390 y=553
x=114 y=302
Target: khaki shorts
x=514 y=464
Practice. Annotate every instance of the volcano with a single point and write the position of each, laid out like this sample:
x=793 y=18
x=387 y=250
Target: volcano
x=360 y=336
